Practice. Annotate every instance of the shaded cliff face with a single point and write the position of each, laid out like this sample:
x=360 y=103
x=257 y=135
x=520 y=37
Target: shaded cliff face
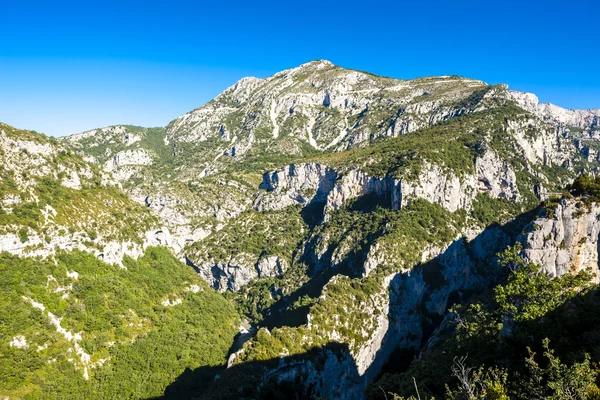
x=348 y=208
x=561 y=238
x=317 y=183
x=398 y=303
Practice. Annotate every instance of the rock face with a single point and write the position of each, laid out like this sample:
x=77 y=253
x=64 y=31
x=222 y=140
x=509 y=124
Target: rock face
x=320 y=106
x=271 y=266
x=316 y=183
x=111 y=138
x=295 y=184
x=557 y=115
x=230 y=275
x=125 y=164
x=67 y=204
x=409 y=304
x=197 y=176
x=129 y=157
x=27 y=157
x=317 y=105
x=111 y=251
x=566 y=242
x=239 y=270
x=496 y=177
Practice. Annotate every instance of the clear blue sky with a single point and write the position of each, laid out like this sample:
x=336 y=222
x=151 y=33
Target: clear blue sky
x=68 y=66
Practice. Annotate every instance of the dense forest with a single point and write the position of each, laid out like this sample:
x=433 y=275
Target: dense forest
x=131 y=330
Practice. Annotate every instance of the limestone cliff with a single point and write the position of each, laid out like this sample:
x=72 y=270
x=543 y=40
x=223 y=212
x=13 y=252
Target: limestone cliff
x=565 y=239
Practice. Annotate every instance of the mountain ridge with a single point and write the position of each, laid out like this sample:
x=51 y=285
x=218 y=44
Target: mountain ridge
x=331 y=207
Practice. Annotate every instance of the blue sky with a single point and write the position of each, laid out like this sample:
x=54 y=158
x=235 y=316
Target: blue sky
x=68 y=66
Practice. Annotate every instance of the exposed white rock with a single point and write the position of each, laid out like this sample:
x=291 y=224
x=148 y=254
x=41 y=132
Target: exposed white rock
x=73 y=275
x=231 y=275
x=271 y=266
x=441 y=187
x=313 y=182
x=294 y=103
x=193 y=289
x=74 y=338
x=129 y=157
x=112 y=251
x=170 y=303
x=555 y=114
x=567 y=242
x=496 y=177
x=302 y=183
x=397 y=319
x=19 y=342
x=367 y=353
x=11 y=200
x=355 y=183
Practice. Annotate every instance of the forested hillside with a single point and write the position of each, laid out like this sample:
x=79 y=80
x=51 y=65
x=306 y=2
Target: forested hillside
x=320 y=233
x=76 y=327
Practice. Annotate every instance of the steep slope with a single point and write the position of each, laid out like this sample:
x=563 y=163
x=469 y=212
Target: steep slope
x=551 y=293
x=53 y=199
x=482 y=164
x=89 y=308
x=203 y=168
x=320 y=105
x=75 y=327
x=384 y=202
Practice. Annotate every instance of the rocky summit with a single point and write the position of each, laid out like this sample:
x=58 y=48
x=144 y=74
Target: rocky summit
x=320 y=233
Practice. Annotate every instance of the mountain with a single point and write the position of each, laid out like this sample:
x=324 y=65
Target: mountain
x=201 y=172
x=53 y=199
x=89 y=305
x=342 y=215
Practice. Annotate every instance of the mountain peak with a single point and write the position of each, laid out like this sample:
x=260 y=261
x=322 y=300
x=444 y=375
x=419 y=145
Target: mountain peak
x=317 y=63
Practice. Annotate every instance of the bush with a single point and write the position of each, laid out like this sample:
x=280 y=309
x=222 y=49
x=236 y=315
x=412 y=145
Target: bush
x=23 y=234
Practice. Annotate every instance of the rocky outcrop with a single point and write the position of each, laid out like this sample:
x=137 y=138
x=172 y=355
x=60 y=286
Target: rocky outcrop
x=110 y=251
x=109 y=138
x=315 y=102
x=410 y=304
x=441 y=187
x=295 y=184
x=565 y=240
x=587 y=119
x=496 y=177
x=26 y=157
x=129 y=157
x=271 y=266
x=316 y=183
x=239 y=270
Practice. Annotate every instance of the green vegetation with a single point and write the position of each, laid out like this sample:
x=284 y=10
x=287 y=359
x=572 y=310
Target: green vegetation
x=35 y=200
x=143 y=325
x=531 y=337
x=586 y=185
x=458 y=141
x=488 y=210
x=137 y=345
x=103 y=210
x=106 y=142
x=256 y=233
x=344 y=242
